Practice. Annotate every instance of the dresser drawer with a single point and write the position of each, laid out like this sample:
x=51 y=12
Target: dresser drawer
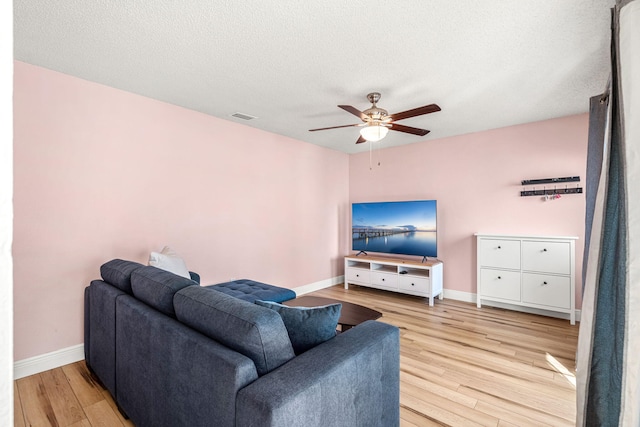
x=500 y=284
x=358 y=275
x=547 y=257
x=413 y=284
x=384 y=280
x=500 y=253
x=544 y=289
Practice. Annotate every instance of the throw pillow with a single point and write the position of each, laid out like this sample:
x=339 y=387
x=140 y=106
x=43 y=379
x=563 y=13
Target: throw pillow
x=169 y=260
x=307 y=327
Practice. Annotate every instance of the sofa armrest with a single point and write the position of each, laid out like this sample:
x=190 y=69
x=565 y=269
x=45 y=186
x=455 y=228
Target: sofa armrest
x=352 y=379
x=195 y=277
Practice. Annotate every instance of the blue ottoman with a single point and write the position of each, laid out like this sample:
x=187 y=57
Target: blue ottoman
x=250 y=290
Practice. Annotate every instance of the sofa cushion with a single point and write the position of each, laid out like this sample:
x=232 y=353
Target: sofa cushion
x=170 y=261
x=117 y=272
x=254 y=331
x=156 y=287
x=307 y=327
x=250 y=290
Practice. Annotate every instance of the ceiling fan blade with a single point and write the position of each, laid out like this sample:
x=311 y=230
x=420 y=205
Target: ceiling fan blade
x=408 y=129
x=431 y=108
x=361 y=140
x=354 y=111
x=335 y=127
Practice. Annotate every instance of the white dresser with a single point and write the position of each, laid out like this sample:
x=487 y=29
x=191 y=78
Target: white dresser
x=528 y=271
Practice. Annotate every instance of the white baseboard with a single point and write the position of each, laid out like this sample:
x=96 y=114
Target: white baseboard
x=459 y=295
x=44 y=362
x=470 y=297
x=55 y=359
x=531 y=310
x=316 y=286
x=448 y=293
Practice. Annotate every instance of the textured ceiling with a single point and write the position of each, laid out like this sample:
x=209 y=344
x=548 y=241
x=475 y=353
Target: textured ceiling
x=488 y=64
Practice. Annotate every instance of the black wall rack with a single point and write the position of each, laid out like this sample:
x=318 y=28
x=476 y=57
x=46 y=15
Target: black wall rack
x=551 y=180
x=551 y=191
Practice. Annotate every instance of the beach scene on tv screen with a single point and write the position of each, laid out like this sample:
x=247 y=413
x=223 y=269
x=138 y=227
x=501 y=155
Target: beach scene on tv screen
x=406 y=228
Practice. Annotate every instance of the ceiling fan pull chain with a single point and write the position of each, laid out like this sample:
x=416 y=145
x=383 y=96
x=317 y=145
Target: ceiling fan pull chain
x=370 y=162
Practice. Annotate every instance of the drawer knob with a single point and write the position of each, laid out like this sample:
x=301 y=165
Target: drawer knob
x=544 y=283
x=499 y=247
x=412 y=284
x=357 y=275
x=383 y=279
x=544 y=250
x=499 y=277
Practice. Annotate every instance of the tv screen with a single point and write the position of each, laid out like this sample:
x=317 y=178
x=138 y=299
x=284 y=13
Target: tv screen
x=403 y=228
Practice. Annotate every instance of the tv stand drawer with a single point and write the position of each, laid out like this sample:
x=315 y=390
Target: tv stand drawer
x=414 y=284
x=358 y=275
x=384 y=280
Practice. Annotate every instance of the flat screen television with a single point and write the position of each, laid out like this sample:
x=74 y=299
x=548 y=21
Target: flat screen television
x=403 y=228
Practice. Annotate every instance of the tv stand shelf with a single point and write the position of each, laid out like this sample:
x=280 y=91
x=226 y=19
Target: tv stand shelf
x=406 y=276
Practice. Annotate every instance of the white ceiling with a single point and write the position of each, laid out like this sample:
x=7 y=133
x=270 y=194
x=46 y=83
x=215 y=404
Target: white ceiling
x=487 y=64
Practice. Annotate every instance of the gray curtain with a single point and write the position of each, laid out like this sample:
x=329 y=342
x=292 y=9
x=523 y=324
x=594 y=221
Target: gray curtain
x=598 y=106
x=608 y=359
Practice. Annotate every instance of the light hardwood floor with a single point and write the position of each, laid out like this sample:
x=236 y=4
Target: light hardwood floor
x=459 y=366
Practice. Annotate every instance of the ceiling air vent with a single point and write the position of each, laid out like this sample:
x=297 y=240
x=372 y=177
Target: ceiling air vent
x=243 y=116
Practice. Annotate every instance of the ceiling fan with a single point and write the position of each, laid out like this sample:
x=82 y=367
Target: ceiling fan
x=376 y=121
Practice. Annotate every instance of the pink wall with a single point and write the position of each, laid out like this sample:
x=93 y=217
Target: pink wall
x=101 y=173
x=476 y=180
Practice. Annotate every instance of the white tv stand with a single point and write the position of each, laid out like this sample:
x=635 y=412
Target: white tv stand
x=422 y=279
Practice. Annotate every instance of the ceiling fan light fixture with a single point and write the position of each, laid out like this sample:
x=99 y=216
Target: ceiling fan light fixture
x=374 y=132
x=378 y=121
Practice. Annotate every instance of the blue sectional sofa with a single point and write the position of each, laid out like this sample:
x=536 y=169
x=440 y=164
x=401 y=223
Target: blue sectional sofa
x=173 y=353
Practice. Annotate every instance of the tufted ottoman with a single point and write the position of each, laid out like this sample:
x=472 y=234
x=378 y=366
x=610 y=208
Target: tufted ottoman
x=250 y=290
